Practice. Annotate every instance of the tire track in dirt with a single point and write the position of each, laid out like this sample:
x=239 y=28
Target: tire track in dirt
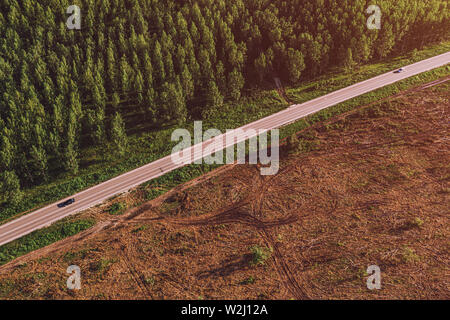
x=134 y=275
x=283 y=269
x=263 y=228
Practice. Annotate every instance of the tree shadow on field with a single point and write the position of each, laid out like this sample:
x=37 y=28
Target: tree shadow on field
x=227 y=267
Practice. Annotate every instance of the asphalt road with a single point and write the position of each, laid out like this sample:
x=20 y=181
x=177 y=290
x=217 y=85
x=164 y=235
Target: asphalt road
x=101 y=192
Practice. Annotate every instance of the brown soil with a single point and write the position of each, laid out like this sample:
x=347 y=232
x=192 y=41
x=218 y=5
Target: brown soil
x=372 y=190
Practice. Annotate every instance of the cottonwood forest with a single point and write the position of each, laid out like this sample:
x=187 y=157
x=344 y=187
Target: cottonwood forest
x=171 y=62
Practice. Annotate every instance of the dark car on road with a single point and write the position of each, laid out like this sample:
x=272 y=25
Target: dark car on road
x=399 y=70
x=66 y=203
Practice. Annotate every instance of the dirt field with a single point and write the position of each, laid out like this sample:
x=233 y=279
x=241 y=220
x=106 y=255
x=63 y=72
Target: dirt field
x=367 y=188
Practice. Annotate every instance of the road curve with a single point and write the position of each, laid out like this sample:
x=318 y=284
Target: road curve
x=99 y=193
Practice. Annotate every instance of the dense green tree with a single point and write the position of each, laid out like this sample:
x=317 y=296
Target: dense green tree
x=111 y=67
x=38 y=155
x=7 y=152
x=214 y=98
x=348 y=59
x=261 y=66
x=187 y=83
x=158 y=63
x=115 y=101
x=70 y=148
x=96 y=122
x=125 y=74
x=119 y=141
x=296 y=64
x=172 y=102
x=235 y=84
x=138 y=86
x=10 y=187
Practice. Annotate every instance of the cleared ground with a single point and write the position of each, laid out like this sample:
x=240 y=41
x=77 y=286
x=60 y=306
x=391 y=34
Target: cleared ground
x=368 y=187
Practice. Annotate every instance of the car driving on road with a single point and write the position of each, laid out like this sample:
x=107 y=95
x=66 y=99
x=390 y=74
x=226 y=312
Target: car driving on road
x=66 y=203
x=399 y=70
